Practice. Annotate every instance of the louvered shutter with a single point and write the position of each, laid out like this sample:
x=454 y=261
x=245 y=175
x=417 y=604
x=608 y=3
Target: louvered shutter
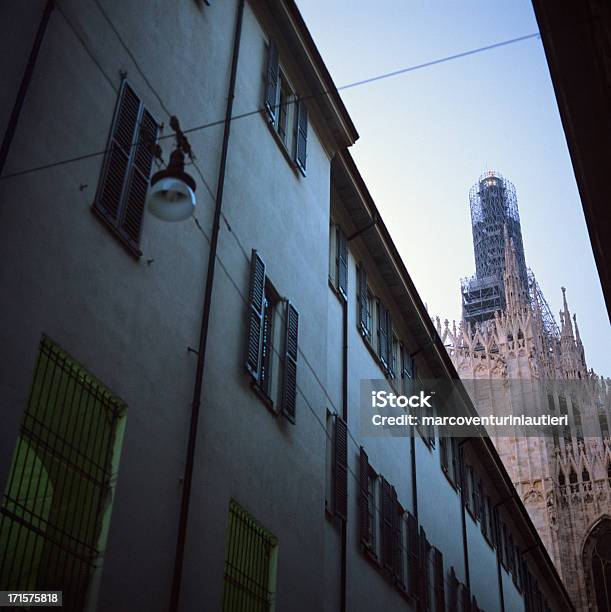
x=142 y=162
x=271 y=87
x=116 y=165
x=127 y=167
x=386 y=525
x=340 y=480
x=256 y=301
x=440 y=596
x=453 y=590
x=363 y=301
x=455 y=460
x=425 y=576
x=289 y=382
x=443 y=451
x=397 y=532
x=389 y=347
x=342 y=263
x=413 y=554
x=465 y=597
x=301 y=140
x=364 y=522
x=382 y=334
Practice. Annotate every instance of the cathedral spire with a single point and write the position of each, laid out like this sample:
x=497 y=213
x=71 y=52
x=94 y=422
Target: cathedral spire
x=565 y=317
x=515 y=298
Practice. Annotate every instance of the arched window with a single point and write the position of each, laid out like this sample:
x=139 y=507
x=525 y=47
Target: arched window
x=585 y=475
x=572 y=476
x=597 y=566
x=561 y=478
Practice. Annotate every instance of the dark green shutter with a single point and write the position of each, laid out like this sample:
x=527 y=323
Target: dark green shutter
x=340 y=462
x=255 y=314
x=364 y=523
x=386 y=524
x=397 y=536
x=301 y=139
x=127 y=167
x=413 y=554
x=440 y=596
x=425 y=574
x=289 y=386
x=363 y=301
x=382 y=334
x=116 y=164
x=342 y=263
x=271 y=87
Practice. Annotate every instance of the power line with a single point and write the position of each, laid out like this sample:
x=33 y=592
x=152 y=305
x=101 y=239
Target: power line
x=204 y=126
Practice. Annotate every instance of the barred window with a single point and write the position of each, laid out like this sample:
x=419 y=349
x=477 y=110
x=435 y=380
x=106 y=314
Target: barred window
x=61 y=484
x=251 y=562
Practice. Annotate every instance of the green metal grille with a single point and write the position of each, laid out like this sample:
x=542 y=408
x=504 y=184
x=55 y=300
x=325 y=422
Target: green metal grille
x=250 y=564
x=60 y=484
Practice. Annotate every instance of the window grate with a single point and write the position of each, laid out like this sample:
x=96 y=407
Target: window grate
x=60 y=484
x=250 y=564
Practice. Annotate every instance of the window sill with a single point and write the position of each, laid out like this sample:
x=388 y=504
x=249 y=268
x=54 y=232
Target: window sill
x=281 y=145
x=135 y=252
x=338 y=294
x=446 y=473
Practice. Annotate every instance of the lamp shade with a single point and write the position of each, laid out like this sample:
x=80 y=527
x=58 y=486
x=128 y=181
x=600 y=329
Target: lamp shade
x=171 y=199
x=171 y=196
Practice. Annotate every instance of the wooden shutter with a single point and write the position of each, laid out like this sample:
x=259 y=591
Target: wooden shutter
x=127 y=167
x=342 y=263
x=382 y=334
x=443 y=451
x=116 y=164
x=425 y=576
x=483 y=511
x=289 y=381
x=301 y=140
x=363 y=302
x=256 y=301
x=413 y=554
x=397 y=527
x=465 y=598
x=389 y=347
x=440 y=596
x=386 y=524
x=271 y=87
x=364 y=522
x=133 y=210
x=340 y=474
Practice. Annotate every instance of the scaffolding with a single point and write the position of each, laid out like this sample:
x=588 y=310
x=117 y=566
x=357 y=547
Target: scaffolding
x=494 y=210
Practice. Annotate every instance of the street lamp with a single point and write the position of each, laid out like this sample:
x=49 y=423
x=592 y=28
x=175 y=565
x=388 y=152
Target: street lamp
x=171 y=196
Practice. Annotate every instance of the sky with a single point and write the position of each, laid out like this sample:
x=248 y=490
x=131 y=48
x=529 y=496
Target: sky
x=426 y=137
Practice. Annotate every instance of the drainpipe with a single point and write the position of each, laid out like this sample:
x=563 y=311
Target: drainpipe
x=201 y=355
x=463 y=518
x=343 y=570
x=25 y=84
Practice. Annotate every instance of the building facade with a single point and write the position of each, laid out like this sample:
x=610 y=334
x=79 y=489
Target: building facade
x=290 y=507
x=563 y=478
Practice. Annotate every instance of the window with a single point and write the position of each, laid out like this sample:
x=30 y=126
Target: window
x=284 y=109
x=272 y=342
x=60 y=489
x=251 y=563
x=393 y=358
x=126 y=170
